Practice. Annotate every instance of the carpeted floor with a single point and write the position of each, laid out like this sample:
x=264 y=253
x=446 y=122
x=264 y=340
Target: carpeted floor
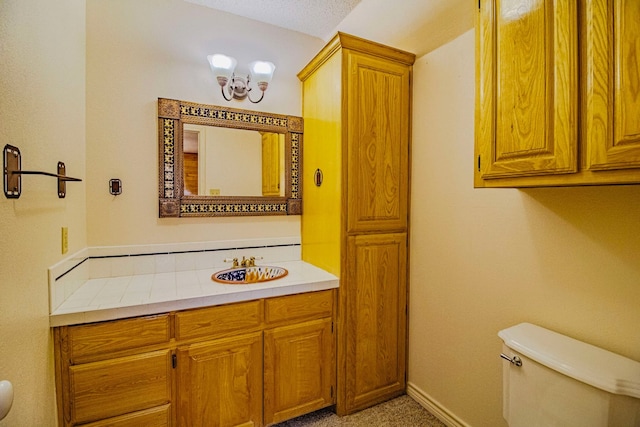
x=400 y=412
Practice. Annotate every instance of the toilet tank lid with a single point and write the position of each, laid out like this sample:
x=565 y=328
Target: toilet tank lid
x=584 y=362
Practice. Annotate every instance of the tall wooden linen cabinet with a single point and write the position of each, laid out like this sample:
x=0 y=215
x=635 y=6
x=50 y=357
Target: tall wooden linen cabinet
x=357 y=113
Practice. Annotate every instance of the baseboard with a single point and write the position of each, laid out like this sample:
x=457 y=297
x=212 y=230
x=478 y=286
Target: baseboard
x=434 y=407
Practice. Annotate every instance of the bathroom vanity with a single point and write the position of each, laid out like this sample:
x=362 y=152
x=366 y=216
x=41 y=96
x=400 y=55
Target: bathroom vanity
x=255 y=362
x=191 y=351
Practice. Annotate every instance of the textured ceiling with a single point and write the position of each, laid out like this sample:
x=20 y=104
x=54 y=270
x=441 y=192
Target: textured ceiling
x=417 y=26
x=314 y=17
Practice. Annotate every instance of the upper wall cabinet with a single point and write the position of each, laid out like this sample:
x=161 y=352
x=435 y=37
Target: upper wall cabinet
x=612 y=84
x=528 y=88
x=558 y=93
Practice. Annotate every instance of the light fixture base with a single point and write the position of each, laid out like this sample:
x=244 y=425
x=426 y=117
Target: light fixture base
x=238 y=89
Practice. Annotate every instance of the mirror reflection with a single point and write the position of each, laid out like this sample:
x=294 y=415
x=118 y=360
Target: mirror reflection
x=222 y=161
x=232 y=162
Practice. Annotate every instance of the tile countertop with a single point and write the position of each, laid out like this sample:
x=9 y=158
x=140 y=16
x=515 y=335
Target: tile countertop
x=146 y=294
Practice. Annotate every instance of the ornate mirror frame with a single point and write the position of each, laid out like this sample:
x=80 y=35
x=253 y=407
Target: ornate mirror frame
x=173 y=114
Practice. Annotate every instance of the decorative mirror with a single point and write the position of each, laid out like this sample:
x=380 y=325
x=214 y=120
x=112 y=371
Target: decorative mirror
x=219 y=161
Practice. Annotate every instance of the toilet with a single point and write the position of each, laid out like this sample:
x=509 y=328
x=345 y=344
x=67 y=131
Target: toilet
x=551 y=380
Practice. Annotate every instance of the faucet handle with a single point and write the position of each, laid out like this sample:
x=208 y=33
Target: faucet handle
x=252 y=260
x=234 y=261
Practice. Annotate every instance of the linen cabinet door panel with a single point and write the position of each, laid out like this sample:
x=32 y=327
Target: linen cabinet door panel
x=378 y=144
x=299 y=372
x=527 y=88
x=110 y=388
x=220 y=383
x=374 y=319
x=612 y=67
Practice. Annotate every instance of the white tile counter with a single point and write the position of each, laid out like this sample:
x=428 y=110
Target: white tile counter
x=120 y=296
x=144 y=294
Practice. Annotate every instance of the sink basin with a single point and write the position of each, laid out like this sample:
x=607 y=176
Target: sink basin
x=246 y=275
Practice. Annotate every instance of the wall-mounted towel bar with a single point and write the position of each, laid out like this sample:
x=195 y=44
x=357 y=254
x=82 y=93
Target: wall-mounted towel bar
x=13 y=174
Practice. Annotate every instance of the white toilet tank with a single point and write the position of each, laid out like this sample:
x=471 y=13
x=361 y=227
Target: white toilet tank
x=563 y=382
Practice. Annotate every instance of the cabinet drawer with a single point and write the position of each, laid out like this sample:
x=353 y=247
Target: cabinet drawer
x=223 y=320
x=154 y=417
x=97 y=341
x=312 y=305
x=115 y=387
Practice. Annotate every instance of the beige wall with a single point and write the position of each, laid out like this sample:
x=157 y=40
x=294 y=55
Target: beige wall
x=482 y=260
x=42 y=111
x=138 y=51
x=79 y=83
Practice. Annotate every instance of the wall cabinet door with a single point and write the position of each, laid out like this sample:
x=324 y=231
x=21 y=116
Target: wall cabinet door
x=527 y=88
x=299 y=369
x=220 y=382
x=378 y=93
x=371 y=361
x=612 y=80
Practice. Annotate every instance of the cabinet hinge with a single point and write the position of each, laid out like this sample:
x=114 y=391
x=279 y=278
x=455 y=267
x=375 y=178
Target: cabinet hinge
x=174 y=361
x=331 y=327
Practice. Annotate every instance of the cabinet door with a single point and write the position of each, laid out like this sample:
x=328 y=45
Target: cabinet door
x=220 y=383
x=371 y=360
x=612 y=84
x=527 y=88
x=378 y=143
x=299 y=369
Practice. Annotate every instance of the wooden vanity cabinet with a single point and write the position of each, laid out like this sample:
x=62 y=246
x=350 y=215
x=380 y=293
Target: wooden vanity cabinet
x=115 y=373
x=357 y=114
x=220 y=382
x=555 y=103
x=219 y=365
x=246 y=364
x=299 y=355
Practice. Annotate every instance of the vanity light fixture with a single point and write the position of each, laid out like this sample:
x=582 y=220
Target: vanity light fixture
x=259 y=71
